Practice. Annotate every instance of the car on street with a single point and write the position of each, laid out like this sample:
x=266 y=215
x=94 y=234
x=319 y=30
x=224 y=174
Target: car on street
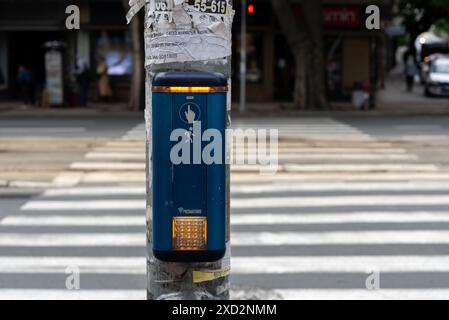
x=437 y=76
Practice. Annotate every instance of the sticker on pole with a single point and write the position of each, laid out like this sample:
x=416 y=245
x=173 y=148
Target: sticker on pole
x=210 y=6
x=209 y=275
x=190 y=30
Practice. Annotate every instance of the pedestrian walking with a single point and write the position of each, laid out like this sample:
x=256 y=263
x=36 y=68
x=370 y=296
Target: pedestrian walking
x=410 y=73
x=25 y=81
x=83 y=79
x=104 y=87
x=3 y=85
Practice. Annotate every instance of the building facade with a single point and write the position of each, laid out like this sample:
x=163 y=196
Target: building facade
x=351 y=52
x=27 y=25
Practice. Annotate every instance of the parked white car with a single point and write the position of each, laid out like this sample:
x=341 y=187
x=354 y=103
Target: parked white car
x=437 y=77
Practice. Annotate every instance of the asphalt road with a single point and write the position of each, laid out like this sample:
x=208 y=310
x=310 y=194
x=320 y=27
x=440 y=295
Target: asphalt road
x=355 y=198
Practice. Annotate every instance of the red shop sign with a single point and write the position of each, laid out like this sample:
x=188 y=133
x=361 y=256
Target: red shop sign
x=342 y=17
x=338 y=17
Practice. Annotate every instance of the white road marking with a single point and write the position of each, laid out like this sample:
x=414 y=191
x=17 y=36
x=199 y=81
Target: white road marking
x=86 y=205
x=239 y=265
x=265 y=202
x=338 y=264
x=339 y=218
x=286 y=294
x=285 y=148
x=282 y=156
x=49 y=294
x=340 y=238
x=339 y=157
x=346 y=168
x=376 y=167
x=125 y=177
x=40 y=130
x=360 y=167
x=79 y=221
x=236 y=219
x=107 y=166
x=95 y=191
x=342 y=186
x=116 y=155
x=238 y=238
x=362 y=294
x=103 y=265
x=73 y=239
x=259 y=188
x=340 y=201
x=122 y=149
x=303 y=177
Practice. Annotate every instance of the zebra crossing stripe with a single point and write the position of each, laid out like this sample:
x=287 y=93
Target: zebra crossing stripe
x=360 y=167
x=342 y=186
x=53 y=294
x=340 y=218
x=72 y=221
x=254 y=203
x=361 y=294
x=42 y=130
x=238 y=238
x=240 y=265
x=85 y=205
x=340 y=201
x=285 y=294
x=338 y=264
x=346 y=168
x=107 y=166
x=95 y=191
x=73 y=240
x=282 y=156
x=260 y=188
x=340 y=238
x=237 y=219
x=103 y=265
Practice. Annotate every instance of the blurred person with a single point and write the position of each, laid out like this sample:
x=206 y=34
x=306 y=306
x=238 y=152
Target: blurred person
x=104 y=88
x=2 y=80
x=410 y=73
x=83 y=78
x=25 y=81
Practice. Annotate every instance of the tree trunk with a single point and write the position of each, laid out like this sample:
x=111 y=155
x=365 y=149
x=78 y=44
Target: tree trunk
x=297 y=43
x=313 y=17
x=305 y=38
x=135 y=102
x=300 y=93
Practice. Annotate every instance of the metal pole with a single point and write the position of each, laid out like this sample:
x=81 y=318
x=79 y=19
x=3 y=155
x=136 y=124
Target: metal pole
x=243 y=59
x=183 y=281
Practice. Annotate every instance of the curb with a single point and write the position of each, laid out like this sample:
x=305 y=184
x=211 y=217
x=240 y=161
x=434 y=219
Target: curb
x=28 y=184
x=253 y=293
x=46 y=113
x=343 y=113
x=50 y=114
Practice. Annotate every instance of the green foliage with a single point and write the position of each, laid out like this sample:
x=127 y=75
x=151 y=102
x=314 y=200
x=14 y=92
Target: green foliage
x=443 y=25
x=420 y=15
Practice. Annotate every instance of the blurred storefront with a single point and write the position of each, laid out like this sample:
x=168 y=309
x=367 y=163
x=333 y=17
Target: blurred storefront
x=26 y=25
x=352 y=53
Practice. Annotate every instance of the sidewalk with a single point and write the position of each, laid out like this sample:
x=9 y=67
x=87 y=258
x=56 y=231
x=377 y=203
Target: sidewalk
x=393 y=101
x=16 y=108
x=395 y=98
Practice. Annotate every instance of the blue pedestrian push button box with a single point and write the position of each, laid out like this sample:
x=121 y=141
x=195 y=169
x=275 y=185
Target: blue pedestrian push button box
x=189 y=190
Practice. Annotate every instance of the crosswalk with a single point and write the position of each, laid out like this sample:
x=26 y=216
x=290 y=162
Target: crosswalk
x=343 y=206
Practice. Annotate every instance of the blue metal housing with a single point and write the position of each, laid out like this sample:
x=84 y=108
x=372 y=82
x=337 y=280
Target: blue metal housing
x=184 y=190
